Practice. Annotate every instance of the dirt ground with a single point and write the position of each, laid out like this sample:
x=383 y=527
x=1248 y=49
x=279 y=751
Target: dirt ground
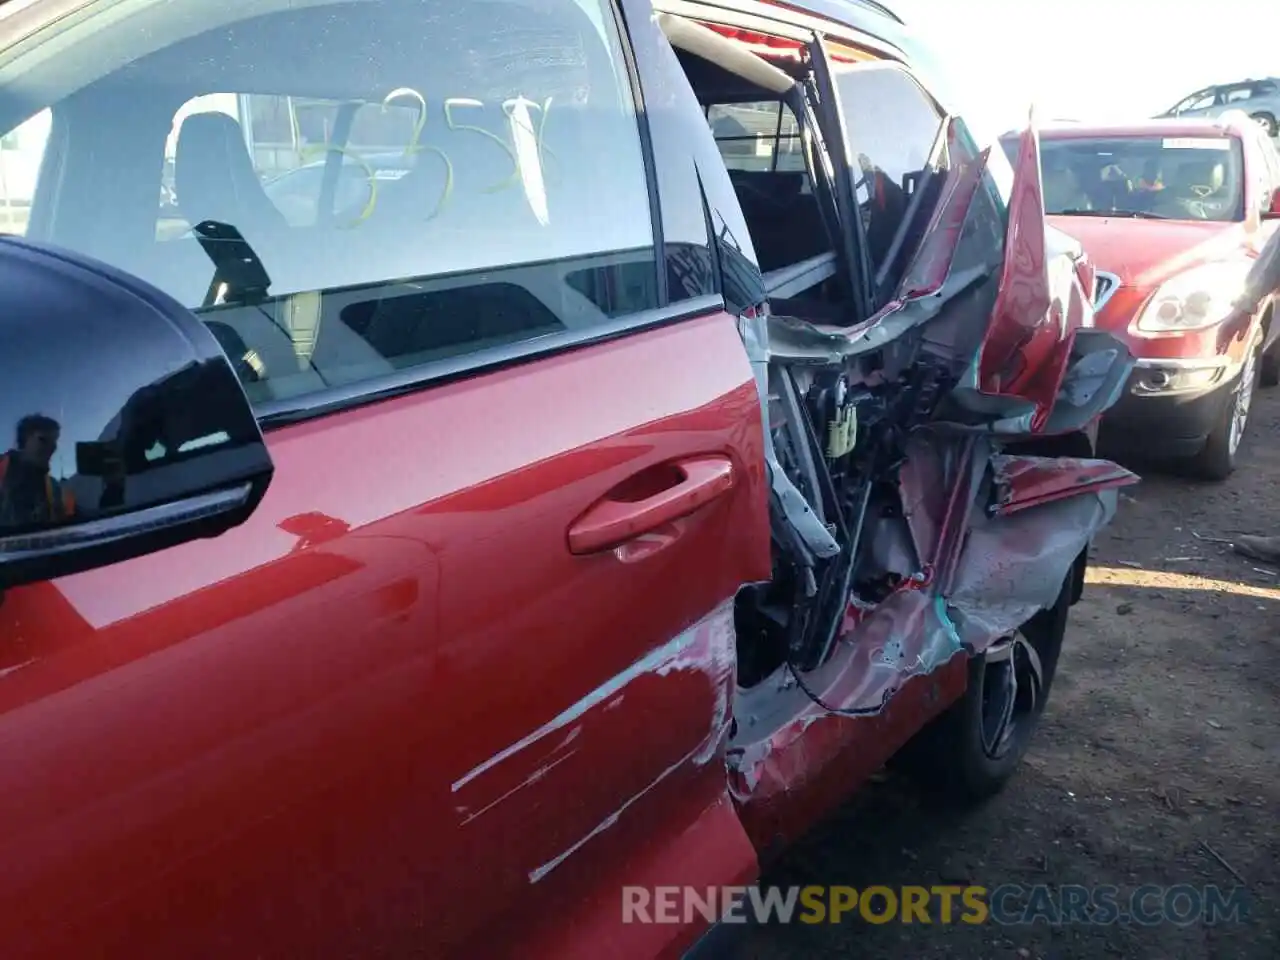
x=1157 y=756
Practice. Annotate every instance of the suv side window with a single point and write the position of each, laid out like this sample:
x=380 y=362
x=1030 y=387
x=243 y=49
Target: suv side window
x=413 y=182
x=893 y=126
x=760 y=136
x=1237 y=94
x=1200 y=100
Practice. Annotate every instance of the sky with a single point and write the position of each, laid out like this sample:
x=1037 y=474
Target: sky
x=1094 y=59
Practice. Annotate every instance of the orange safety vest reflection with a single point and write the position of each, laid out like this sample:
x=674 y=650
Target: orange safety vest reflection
x=68 y=499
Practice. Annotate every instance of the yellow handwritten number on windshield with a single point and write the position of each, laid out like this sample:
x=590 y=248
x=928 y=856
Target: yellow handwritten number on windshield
x=416 y=146
x=527 y=152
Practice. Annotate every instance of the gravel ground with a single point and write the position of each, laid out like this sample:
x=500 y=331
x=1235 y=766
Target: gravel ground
x=1156 y=762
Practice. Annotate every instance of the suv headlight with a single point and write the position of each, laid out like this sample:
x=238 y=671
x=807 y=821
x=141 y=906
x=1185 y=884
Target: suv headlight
x=1195 y=299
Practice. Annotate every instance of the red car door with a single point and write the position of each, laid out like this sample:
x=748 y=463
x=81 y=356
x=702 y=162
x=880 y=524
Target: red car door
x=465 y=673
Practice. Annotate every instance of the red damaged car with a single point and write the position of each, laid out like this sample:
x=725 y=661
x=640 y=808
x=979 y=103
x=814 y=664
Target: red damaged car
x=1173 y=213
x=698 y=418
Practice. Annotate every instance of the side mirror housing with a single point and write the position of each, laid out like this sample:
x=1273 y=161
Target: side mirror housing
x=129 y=431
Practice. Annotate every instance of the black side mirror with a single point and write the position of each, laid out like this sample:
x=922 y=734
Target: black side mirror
x=129 y=430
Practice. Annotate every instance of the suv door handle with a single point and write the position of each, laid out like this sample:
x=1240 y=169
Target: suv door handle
x=686 y=486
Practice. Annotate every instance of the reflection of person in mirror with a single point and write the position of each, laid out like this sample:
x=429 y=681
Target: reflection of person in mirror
x=28 y=492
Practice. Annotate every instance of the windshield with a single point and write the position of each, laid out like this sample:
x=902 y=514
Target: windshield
x=1168 y=178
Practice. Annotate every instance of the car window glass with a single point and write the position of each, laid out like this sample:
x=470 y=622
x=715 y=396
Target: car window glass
x=760 y=136
x=291 y=140
x=761 y=146
x=21 y=151
x=893 y=125
x=1176 y=178
x=1236 y=94
x=488 y=187
x=1197 y=101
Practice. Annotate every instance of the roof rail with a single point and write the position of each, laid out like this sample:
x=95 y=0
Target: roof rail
x=873 y=5
x=881 y=8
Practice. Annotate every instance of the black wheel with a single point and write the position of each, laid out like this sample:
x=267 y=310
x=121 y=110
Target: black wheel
x=1268 y=123
x=971 y=751
x=1217 y=460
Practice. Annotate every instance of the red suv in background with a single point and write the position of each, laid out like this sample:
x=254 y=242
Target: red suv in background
x=1173 y=213
x=697 y=415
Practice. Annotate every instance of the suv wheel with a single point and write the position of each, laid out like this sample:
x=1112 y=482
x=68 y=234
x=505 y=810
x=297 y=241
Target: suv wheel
x=1217 y=460
x=1267 y=122
x=970 y=752
x=1270 y=374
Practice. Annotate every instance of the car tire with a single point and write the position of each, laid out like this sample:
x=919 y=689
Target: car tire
x=1268 y=122
x=971 y=751
x=1217 y=460
x=1270 y=373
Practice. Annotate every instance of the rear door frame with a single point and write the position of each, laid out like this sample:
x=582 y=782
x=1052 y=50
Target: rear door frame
x=824 y=107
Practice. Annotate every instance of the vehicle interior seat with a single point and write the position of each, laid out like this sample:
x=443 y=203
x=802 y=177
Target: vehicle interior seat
x=1193 y=182
x=783 y=216
x=214 y=177
x=1202 y=175
x=449 y=205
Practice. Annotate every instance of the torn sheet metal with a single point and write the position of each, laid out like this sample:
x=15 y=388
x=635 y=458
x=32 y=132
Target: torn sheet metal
x=1041 y=302
x=982 y=575
x=792 y=761
x=1014 y=566
x=798 y=340
x=1025 y=482
x=1025 y=299
x=909 y=634
x=931 y=265
x=1095 y=380
x=938 y=470
x=890 y=546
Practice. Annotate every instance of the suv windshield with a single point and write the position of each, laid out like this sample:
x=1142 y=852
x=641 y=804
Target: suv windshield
x=1170 y=178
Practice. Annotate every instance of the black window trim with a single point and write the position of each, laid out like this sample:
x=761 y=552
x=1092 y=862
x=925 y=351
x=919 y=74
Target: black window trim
x=273 y=414
x=646 y=147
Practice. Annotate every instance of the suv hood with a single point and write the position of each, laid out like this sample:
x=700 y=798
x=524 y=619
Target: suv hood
x=1143 y=253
